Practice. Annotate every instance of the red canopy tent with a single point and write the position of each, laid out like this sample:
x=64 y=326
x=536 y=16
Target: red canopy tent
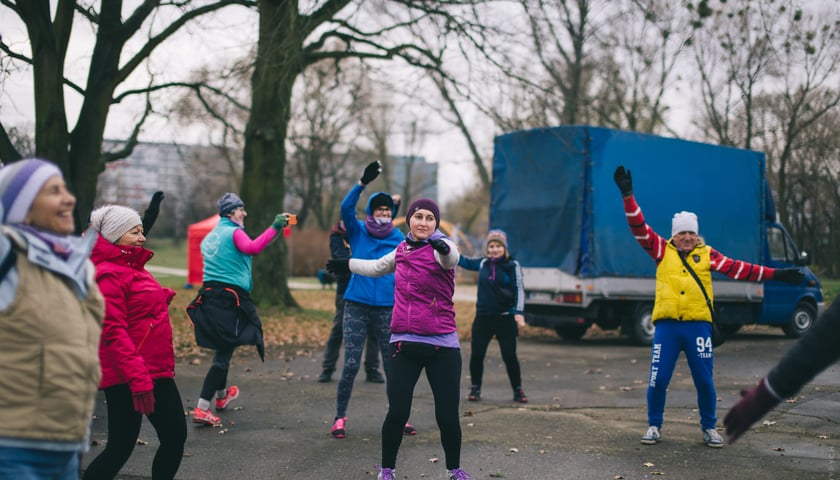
x=195 y=234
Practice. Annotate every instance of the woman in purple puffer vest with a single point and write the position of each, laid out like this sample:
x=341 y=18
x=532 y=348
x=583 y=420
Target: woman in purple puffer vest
x=423 y=332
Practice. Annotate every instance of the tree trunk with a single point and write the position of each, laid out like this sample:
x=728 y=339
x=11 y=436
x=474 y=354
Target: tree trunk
x=279 y=62
x=49 y=46
x=85 y=150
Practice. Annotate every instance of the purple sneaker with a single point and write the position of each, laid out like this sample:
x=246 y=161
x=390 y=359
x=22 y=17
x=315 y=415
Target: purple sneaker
x=458 y=474
x=386 y=474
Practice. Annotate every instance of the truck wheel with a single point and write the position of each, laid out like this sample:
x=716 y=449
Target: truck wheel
x=640 y=328
x=571 y=333
x=803 y=318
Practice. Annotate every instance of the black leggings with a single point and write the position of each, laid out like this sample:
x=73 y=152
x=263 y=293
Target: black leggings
x=506 y=331
x=443 y=370
x=124 y=428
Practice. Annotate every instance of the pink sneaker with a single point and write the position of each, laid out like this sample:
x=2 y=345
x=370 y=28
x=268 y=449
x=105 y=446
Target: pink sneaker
x=232 y=394
x=205 y=417
x=337 y=430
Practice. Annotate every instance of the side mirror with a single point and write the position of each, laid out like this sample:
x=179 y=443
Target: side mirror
x=804 y=258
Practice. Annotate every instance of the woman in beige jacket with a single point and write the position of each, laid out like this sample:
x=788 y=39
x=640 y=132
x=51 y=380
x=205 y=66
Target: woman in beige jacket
x=50 y=319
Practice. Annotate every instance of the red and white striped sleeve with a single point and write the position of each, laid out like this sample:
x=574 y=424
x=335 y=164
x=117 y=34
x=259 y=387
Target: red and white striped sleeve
x=653 y=244
x=737 y=269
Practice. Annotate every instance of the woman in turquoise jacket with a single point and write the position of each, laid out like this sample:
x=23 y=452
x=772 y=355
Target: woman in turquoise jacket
x=224 y=300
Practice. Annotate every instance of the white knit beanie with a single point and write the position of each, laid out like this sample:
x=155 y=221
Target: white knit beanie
x=684 y=222
x=113 y=221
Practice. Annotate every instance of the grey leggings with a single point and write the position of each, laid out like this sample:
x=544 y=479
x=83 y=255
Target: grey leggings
x=358 y=319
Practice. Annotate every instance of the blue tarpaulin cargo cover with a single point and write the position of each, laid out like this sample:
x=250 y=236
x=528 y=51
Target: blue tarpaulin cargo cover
x=553 y=193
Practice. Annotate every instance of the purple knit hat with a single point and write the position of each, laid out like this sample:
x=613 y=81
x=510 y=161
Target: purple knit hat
x=423 y=204
x=20 y=183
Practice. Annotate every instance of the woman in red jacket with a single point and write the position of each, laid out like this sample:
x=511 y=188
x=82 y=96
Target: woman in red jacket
x=136 y=352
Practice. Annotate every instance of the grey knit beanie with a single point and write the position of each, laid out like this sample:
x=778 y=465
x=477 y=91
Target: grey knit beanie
x=113 y=221
x=228 y=203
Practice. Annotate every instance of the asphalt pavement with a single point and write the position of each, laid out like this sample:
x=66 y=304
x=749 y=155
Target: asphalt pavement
x=584 y=419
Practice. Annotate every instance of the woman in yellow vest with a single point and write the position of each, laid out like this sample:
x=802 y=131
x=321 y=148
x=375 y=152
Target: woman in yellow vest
x=682 y=318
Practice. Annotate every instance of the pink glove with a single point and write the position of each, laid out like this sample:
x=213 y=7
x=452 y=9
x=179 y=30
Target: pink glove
x=144 y=402
x=753 y=405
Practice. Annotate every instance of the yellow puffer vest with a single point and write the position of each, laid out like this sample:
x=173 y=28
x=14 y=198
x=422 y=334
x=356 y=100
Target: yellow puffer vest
x=49 y=352
x=678 y=297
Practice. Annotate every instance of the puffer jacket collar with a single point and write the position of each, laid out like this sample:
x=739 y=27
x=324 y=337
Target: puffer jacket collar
x=132 y=257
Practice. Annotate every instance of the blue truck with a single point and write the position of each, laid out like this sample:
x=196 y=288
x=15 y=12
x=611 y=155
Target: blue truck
x=553 y=193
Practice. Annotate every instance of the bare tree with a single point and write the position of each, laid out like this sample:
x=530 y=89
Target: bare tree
x=323 y=135
x=638 y=55
x=734 y=53
x=294 y=37
x=813 y=193
x=771 y=82
x=78 y=151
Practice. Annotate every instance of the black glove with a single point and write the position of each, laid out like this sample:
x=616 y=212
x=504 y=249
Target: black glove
x=439 y=245
x=624 y=181
x=338 y=266
x=753 y=405
x=371 y=172
x=152 y=211
x=789 y=275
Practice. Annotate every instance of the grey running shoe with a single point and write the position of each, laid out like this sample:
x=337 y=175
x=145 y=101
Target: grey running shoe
x=712 y=438
x=652 y=436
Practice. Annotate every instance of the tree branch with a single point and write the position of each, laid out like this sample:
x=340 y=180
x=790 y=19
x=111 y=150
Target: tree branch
x=132 y=140
x=8 y=152
x=135 y=21
x=195 y=86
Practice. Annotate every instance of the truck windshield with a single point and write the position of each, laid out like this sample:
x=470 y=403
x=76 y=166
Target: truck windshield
x=782 y=248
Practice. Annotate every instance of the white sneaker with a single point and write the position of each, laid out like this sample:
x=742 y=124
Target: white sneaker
x=712 y=438
x=652 y=436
